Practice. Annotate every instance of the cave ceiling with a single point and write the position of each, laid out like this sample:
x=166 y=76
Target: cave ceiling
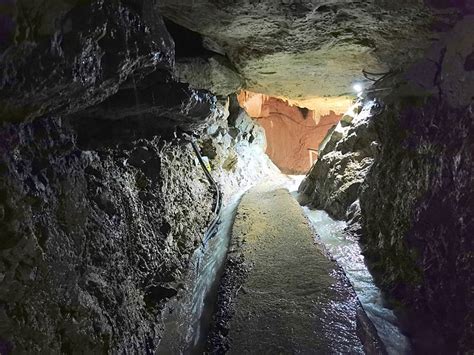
x=306 y=49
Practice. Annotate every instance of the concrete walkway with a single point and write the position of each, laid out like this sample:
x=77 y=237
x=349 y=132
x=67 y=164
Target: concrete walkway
x=294 y=300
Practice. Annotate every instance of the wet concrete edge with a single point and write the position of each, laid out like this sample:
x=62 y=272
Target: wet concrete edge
x=231 y=283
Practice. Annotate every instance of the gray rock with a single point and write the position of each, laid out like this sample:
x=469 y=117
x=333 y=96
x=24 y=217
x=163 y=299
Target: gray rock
x=213 y=74
x=334 y=181
x=307 y=48
x=83 y=250
x=84 y=59
x=415 y=200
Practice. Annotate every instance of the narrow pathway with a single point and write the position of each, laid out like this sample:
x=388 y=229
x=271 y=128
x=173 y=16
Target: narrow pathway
x=294 y=299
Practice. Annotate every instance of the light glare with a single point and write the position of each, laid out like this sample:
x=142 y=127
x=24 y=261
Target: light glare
x=358 y=88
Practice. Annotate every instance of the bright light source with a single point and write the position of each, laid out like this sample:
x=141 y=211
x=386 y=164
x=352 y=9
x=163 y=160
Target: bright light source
x=358 y=88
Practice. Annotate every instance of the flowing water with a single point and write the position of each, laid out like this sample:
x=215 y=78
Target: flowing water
x=348 y=254
x=188 y=317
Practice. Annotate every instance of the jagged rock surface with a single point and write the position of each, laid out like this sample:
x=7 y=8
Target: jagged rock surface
x=95 y=49
x=417 y=200
x=92 y=242
x=214 y=74
x=98 y=216
x=236 y=151
x=201 y=67
x=291 y=131
x=301 y=49
x=334 y=181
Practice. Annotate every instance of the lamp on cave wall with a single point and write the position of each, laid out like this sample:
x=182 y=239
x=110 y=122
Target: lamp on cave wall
x=358 y=88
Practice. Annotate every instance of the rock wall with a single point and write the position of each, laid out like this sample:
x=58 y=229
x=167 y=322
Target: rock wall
x=93 y=241
x=334 y=181
x=300 y=49
x=236 y=151
x=293 y=133
x=98 y=216
x=416 y=197
x=417 y=202
x=102 y=201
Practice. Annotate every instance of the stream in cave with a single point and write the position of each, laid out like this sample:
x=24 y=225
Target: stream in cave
x=347 y=252
x=189 y=316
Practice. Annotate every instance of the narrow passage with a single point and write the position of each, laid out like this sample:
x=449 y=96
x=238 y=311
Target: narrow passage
x=294 y=299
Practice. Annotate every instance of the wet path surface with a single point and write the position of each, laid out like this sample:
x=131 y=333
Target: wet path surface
x=294 y=299
x=346 y=250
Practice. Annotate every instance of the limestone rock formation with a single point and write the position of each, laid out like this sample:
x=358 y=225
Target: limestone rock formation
x=214 y=74
x=90 y=238
x=334 y=181
x=93 y=49
x=416 y=197
x=236 y=151
x=101 y=199
x=300 y=49
x=293 y=133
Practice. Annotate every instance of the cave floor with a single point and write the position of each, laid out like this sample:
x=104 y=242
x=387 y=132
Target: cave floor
x=294 y=299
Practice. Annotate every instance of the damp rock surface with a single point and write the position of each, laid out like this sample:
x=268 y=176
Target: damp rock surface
x=334 y=181
x=87 y=53
x=416 y=201
x=293 y=133
x=93 y=242
x=101 y=204
x=415 y=196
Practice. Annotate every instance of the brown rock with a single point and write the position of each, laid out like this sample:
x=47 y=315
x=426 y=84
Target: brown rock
x=293 y=133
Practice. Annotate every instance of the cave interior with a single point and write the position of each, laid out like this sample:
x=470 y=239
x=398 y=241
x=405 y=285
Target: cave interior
x=238 y=176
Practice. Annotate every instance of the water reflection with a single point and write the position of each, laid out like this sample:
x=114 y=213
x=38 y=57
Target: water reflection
x=347 y=253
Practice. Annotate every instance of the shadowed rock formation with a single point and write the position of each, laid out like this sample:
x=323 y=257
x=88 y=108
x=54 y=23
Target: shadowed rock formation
x=102 y=201
x=416 y=198
x=334 y=181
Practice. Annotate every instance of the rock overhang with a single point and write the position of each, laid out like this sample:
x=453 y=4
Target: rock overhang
x=300 y=50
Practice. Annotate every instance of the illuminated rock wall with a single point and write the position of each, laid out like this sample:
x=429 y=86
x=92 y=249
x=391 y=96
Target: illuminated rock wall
x=293 y=133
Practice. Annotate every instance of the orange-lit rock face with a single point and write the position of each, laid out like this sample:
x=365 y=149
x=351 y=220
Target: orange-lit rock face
x=293 y=133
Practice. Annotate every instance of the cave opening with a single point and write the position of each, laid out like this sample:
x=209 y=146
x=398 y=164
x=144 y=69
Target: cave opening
x=210 y=177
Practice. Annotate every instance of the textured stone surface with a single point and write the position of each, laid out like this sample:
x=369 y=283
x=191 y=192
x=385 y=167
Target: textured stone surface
x=94 y=49
x=302 y=49
x=417 y=208
x=334 y=181
x=293 y=133
x=416 y=199
x=147 y=110
x=93 y=242
x=98 y=216
x=236 y=151
x=276 y=272
x=214 y=74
